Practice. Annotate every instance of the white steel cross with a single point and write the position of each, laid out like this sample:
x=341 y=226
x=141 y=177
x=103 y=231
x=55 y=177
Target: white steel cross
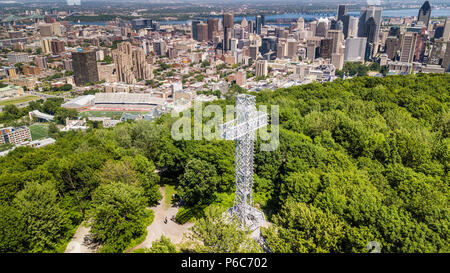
x=243 y=130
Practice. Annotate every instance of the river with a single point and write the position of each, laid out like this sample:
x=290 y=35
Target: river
x=310 y=17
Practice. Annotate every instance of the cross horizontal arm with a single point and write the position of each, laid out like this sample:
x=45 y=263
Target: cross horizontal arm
x=233 y=131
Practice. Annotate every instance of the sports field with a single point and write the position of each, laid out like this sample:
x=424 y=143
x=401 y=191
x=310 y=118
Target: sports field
x=39 y=131
x=109 y=114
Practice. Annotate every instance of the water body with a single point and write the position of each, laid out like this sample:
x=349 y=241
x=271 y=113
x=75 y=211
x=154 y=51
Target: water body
x=308 y=17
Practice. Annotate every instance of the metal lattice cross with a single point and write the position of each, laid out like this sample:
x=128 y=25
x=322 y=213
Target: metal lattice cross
x=243 y=131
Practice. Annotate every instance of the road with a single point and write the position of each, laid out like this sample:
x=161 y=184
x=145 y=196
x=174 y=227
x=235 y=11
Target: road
x=80 y=242
x=34 y=93
x=45 y=96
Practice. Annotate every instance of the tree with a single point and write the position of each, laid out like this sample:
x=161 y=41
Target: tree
x=218 y=234
x=206 y=63
x=13 y=233
x=384 y=70
x=198 y=183
x=163 y=245
x=62 y=114
x=136 y=171
x=108 y=59
x=46 y=223
x=51 y=105
x=118 y=215
x=52 y=129
x=301 y=228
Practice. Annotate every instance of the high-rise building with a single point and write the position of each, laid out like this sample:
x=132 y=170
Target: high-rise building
x=419 y=50
x=281 y=50
x=228 y=24
x=41 y=62
x=213 y=27
x=446 y=59
x=326 y=48
x=261 y=68
x=394 y=32
x=17 y=57
x=159 y=47
x=337 y=60
x=57 y=46
x=11 y=72
x=292 y=48
x=437 y=52
x=123 y=59
x=425 y=14
x=56 y=29
x=301 y=23
x=299 y=71
x=446 y=34
x=85 y=67
x=46 y=46
x=366 y=14
x=312 y=48
x=259 y=23
x=141 y=23
x=253 y=51
x=233 y=44
x=408 y=47
x=268 y=44
x=228 y=20
x=355 y=49
x=194 y=29
x=241 y=77
x=46 y=30
x=48 y=19
x=172 y=53
x=370 y=32
x=68 y=65
x=392 y=46
x=31 y=70
x=338 y=38
x=251 y=26
x=227 y=39
x=313 y=27
x=344 y=19
x=342 y=11
x=352 y=27
x=202 y=32
x=439 y=31
x=142 y=69
x=244 y=24
x=322 y=29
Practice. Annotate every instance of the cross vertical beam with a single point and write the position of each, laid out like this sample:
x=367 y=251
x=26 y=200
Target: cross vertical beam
x=243 y=131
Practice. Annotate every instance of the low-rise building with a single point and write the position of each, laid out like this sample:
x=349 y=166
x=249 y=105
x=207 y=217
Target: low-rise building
x=11 y=91
x=14 y=135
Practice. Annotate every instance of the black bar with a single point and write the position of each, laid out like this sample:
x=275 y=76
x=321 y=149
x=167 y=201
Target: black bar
x=224 y=262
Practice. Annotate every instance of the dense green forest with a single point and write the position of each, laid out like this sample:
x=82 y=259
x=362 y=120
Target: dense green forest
x=359 y=160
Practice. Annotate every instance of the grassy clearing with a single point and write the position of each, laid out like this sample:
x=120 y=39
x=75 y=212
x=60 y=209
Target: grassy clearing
x=18 y=100
x=169 y=192
x=39 y=131
x=223 y=201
